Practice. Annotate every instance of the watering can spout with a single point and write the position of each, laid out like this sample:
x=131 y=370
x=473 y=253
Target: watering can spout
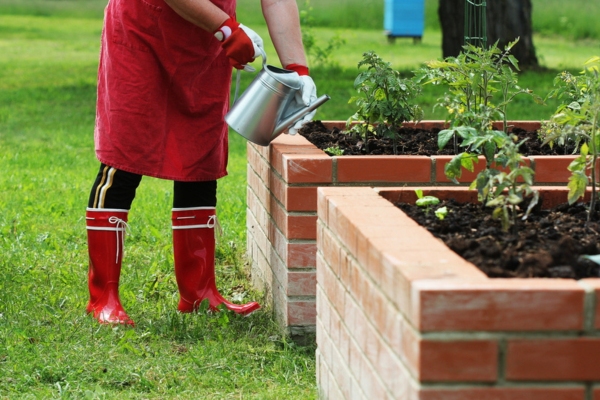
x=268 y=107
x=297 y=115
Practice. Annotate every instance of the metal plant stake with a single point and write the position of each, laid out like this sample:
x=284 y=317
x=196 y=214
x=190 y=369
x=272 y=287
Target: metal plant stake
x=475 y=23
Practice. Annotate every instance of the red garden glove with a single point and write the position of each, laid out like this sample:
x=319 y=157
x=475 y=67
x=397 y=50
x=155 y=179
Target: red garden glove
x=305 y=96
x=241 y=44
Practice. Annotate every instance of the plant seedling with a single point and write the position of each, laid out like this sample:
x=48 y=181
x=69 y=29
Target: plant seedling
x=334 y=151
x=476 y=78
x=429 y=201
x=385 y=100
x=578 y=122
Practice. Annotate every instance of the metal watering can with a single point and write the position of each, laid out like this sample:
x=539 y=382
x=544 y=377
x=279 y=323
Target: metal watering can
x=267 y=107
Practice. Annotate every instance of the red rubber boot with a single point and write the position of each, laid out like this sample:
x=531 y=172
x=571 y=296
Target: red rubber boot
x=106 y=233
x=194 y=250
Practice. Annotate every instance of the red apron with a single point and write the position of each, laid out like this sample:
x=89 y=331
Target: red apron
x=163 y=91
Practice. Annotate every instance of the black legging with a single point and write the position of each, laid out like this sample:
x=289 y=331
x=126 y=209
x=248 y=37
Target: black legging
x=115 y=188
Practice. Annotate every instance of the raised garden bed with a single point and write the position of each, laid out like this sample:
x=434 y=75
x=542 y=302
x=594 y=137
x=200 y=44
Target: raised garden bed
x=282 y=208
x=402 y=316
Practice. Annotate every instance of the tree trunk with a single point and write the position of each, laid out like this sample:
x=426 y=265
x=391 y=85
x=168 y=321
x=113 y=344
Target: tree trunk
x=506 y=20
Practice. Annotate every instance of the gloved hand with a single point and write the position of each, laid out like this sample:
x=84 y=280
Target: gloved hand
x=241 y=44
x=305 y=96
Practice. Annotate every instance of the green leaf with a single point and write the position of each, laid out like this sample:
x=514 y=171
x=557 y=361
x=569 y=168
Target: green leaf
x=465 y=131
x=579 y=163
x=497 y=213
x=592 y=60
x=360 y=79
x=453 y=168
x=489 y=150
x=498 y=201
x=444 y=137
x=467 y=161
x=419 y=193
x=437 y=64
x=441 y=212
x=427 y=201
x=514 y=199
x=577 y=184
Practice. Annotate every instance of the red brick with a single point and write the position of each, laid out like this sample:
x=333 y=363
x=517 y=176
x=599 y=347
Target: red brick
x=551 y=169
x=596 y=394
x=553 y=196
x=331 y=285
x=329 y=197
x=263 y=151
x=322 y=208
x=370 y=382
x=343 y=345
x=324 y=343
x=408 y=195
x=258 y=164
x=340 y=124
x=293 y=198
x=356 y=355
x=392 y=373
x=530 y=126
x=302 y=283
x=255 y=232
x=594 y=285
x=294 y=226
x=341 y=374
x=307 y=168
x=330 y=249
x=573 y=359
x=346 y=269
x=335 y=326
x=258 y=209
x=384 y=169
x=466 y=361
x=429 y=124
x=301 y=198
x=324 y=308
x=302 y=312
x=258 y=187
x=343 y=230
x=499 y=305
x=283 y=146
x=408 y=348
x=295 y=254
x=301 y=255
x=504 y=393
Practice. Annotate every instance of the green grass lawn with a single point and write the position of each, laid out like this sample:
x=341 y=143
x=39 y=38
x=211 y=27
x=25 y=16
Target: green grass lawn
x=48 y=347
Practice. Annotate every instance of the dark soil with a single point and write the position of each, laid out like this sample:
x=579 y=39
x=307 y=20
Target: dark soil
x=412 y=141
x=550 y=243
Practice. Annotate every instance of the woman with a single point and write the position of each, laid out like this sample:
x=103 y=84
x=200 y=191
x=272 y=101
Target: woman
x=163 y=91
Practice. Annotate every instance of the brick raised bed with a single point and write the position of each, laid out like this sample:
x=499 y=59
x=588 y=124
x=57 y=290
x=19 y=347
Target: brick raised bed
x=282 y=209
x=400 y=316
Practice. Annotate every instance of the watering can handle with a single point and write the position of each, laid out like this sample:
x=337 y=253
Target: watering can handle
x=263 y=54
x=238 y=75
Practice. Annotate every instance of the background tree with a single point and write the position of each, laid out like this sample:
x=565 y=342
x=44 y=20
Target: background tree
x=506 y=20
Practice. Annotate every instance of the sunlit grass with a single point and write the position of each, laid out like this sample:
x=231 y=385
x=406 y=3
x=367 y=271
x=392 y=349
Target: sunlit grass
x=49 y=348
